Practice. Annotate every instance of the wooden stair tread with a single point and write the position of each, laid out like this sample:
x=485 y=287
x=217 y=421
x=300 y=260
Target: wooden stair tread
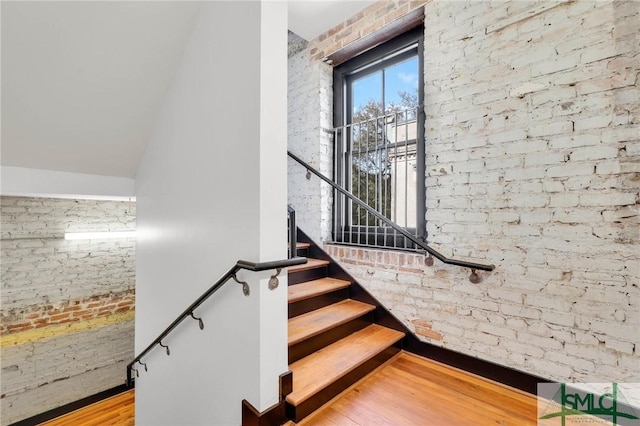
x=315 y=322
x=303 y=246
x=314 y=288
x=311 y=264
x=318 y=370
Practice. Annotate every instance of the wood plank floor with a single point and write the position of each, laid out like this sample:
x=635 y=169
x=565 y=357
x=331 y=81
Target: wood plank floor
x=115 y=411
x=411 y=390
x=407 y=390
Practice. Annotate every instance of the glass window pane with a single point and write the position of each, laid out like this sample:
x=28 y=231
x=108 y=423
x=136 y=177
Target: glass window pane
x=401 y=85
x=366 y=97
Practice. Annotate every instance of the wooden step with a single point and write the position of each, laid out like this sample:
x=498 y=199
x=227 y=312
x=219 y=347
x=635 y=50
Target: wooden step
x=311 y=264
x=315 y=322
x=309 y=289
x=303 y=246
x=309 y=292
x=314 y=373
x=300 y=246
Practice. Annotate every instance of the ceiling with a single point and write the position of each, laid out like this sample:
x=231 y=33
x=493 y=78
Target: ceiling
x=309 y=19
x=83 y=82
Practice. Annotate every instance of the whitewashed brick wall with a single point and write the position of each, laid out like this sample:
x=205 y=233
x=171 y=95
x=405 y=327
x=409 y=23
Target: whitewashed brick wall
x=533 y=164
x=43 y=375
x=310 y=121
x=49 y=284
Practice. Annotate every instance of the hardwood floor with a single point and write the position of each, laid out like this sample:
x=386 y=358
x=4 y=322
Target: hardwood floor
x=115 y=411
x=411 y=390
x=408 y=390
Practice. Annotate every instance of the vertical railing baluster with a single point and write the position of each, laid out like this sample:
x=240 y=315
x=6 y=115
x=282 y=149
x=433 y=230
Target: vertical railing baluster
x=406 y=172
x=376 y=188
x=369 y=153
x=417 y=231
x=291 y=214
x=395 y=173
x=348 y=170
x=337 y=148
x=366 y=183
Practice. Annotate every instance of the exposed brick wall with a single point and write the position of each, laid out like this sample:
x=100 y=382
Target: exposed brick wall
x=534 y=120
x=310 y=100
x=68 y=304
x=86 y=362
x=533 y=164
x=360 y=25
x=81 y=309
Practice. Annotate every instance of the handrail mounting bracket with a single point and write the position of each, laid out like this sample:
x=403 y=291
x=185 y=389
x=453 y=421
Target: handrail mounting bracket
x=273 y=281
x=245 y=286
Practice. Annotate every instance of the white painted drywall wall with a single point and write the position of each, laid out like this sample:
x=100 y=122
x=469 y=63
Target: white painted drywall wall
x=21 y=181
x=211 y=189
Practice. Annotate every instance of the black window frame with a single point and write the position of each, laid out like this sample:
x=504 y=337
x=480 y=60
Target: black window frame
x=367 y=62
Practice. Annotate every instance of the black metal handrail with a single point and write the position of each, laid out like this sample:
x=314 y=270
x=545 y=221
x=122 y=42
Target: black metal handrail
x=392 y=224
x=241 y=264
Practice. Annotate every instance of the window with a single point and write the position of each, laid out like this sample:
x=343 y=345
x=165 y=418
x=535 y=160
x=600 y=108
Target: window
x=379 y=137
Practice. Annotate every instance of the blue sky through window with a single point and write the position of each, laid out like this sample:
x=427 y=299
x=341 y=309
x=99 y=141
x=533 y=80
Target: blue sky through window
x=397 y=78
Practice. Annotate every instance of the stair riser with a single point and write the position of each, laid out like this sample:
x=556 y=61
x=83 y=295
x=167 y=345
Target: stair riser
x=311 y=354
x=317 y=302
x=297 y=413
x=356 y=292
x=308 y=275
x=315 y=343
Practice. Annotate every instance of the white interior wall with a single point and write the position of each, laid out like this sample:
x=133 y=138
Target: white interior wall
x=21 y=181
x=210 y=192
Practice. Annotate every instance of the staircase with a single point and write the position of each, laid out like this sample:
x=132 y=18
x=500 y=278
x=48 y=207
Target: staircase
x=337 y=332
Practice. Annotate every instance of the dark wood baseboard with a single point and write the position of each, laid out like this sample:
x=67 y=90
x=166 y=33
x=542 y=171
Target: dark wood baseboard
x=498 y=373
x=274 y=415
x=73 y=406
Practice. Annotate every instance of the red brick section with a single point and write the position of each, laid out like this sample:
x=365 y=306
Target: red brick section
x=409 y=263
x=362 y=24
x=424 y=328
x=403 y=262
x=82 y=309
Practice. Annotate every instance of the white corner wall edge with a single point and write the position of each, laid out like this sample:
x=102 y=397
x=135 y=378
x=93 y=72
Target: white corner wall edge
x=200 y=190
x=273 y=197
x=26 y=182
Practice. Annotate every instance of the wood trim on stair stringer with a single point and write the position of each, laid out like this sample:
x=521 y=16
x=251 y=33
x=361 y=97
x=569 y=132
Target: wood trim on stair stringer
x=411 y=343
x=274 y=415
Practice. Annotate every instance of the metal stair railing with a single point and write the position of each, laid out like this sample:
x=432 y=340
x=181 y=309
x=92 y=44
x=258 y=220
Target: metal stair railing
x=231 y=274
x=418 y=242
